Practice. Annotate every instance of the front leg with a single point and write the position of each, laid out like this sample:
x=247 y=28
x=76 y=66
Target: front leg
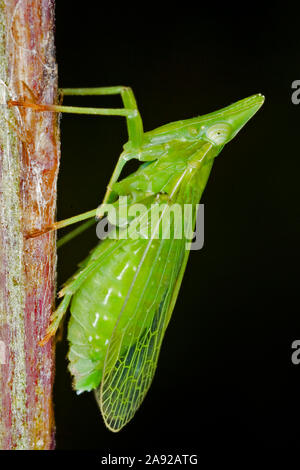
x=134 y=121
x=135 y=132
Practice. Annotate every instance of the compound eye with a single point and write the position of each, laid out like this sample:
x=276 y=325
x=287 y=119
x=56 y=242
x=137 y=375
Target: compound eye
x=219 y=133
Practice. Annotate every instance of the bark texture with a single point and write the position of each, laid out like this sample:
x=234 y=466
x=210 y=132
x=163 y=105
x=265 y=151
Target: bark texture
x=29 y=156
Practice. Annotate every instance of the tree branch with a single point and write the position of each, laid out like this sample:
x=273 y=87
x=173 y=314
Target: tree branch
x=29 y=155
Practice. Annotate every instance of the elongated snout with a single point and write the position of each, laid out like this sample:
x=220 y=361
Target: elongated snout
x=240 y=112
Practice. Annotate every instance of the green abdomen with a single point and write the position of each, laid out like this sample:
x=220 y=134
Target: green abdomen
x=95 y=309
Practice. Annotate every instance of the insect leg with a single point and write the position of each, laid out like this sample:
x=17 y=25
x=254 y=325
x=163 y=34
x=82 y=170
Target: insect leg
x=63 y=223
x=134 y=121
x=96 y=213
x=77 y=231
x=135 y=132
x=69 y=290
x=130 y=110
x=56 y=319
x=57 y=316
x=85 y=215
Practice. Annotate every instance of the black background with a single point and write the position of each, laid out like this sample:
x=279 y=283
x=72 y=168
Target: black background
x=225 y=380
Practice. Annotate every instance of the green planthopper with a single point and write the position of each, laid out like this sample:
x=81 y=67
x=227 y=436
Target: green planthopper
x=123 y=295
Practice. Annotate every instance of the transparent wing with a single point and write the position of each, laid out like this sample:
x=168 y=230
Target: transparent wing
x=134 y=347
x=133 y=351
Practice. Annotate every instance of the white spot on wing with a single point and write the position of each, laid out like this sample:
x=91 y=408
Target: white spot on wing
x=107 y=296
x=123 y=271
x=96 y=319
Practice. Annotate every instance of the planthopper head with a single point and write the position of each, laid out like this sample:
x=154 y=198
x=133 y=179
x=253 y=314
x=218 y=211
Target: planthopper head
x=222 y=126
x=218 y=127
x=197 y=141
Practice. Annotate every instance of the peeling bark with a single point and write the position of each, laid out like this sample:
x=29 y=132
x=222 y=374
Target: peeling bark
x=29 y=156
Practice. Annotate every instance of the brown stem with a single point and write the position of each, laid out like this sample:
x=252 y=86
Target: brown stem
x=29 y=156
